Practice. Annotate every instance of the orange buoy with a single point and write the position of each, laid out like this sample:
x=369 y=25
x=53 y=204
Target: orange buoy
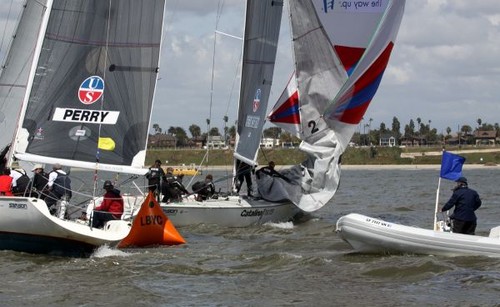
x=151 y=227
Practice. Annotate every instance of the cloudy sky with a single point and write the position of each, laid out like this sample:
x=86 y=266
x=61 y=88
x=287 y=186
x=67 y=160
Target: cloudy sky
x=445 y=67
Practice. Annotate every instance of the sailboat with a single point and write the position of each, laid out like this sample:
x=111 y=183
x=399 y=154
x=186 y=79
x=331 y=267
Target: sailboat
x=262 y=27
x=340 y=54
x=77 y=90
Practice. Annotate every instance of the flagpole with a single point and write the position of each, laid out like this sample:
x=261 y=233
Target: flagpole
x=437 y=205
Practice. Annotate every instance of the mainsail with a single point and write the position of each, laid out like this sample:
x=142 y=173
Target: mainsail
x=262 y=27
x=90 y=95
x=341 y=52
x=16 y=68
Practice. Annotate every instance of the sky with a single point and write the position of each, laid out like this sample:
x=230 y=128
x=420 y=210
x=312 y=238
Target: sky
x=445 y=66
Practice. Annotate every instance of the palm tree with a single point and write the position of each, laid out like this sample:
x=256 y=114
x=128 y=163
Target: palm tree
x=195 y=130
x=156 y=128
x=411 y=127
x=214 y=131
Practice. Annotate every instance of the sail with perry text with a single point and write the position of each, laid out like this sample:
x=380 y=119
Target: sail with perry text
x=341 y=53
x=90 y=97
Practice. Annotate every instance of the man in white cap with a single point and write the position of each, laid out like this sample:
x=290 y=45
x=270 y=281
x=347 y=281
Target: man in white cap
x=40 y=180
x=20 y=180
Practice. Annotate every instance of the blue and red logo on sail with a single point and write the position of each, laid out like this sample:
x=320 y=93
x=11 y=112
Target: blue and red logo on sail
x=256 y=100
x=91 y=90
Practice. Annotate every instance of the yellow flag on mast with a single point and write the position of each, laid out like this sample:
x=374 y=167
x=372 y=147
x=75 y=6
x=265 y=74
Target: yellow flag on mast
x=106 y=144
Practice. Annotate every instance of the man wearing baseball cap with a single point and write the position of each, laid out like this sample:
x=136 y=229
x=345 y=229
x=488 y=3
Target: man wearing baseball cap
x=40 y=180
x=111 y=207
x=465 y=201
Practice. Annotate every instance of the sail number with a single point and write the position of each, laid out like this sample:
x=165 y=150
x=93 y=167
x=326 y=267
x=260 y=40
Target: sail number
x=17 y=206
x=312 y=125
x=379 y=223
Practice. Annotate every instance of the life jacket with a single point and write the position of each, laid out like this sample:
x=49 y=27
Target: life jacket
x=62 y=185
x=112 y=203
x=22 y=183
x=155 y=173
x=6 y=185
x=199 y=187
x=40 y=181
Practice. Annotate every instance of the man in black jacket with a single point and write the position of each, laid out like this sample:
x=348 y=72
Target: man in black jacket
x=270 y=171
x=155 y=176
x=466 y=201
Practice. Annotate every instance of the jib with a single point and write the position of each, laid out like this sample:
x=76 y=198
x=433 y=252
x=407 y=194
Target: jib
x=151 y=220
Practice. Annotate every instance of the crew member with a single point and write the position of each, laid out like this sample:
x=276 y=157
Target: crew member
x=111 y=207
x=466 y=201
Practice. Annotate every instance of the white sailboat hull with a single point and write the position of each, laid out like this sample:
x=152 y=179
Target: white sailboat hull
x=27 y=226
x=370 y=235
x=231 y=211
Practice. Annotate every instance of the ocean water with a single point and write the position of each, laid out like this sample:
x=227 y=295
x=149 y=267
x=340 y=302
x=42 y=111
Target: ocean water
x=286 y=264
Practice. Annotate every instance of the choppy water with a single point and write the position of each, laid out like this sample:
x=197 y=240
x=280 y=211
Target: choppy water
x=279 y=264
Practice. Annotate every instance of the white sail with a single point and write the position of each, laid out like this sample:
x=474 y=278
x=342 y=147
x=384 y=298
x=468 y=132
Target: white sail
x=262 y=27
x=90 y=93
x=340 y=53
x=16 y=68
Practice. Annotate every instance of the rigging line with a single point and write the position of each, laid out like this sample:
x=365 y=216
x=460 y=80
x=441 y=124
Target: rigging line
x=5 y=26
x=196 y=174
x=234 y=83
x=167 y=28
x=237 y=73
x=18 y=76
x=217 y=19
x=264 y=155
x=98 y=150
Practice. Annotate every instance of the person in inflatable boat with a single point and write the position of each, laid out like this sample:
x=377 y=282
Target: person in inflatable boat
x=466 y=201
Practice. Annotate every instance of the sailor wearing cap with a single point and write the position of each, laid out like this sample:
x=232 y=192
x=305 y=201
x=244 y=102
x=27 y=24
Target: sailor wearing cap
x=20 y=180
x=111 y=207
x=40 y=179
x=465 y=201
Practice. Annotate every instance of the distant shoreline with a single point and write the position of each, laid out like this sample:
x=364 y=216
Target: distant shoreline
x=415 y=166
x=371 y=167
